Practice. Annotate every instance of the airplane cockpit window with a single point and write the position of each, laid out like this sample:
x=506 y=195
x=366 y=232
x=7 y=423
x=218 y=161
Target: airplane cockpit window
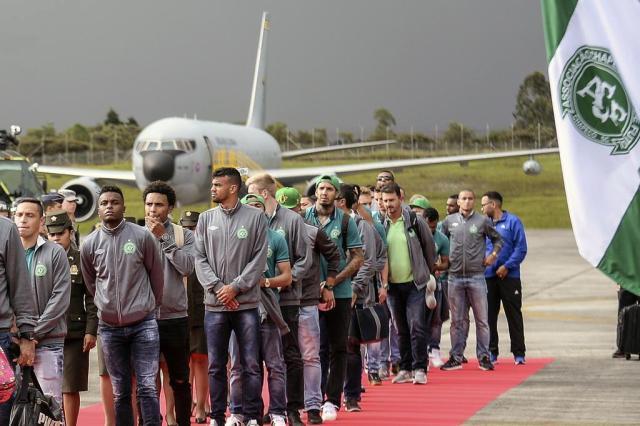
x=168 y=145
x=19 y=180
x=152 y=146
x=185 y=145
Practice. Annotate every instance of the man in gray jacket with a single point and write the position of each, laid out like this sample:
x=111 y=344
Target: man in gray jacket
x=411 y=255
x=291 y=226
x=122 y=269
x=175 y=245
x=51 y=282
x=17 y=300
x=467 y=232
x=230 y=257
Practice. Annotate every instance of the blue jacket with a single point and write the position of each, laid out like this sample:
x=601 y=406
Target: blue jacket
x=514 y=246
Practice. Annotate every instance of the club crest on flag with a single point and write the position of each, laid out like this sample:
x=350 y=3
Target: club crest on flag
x=593 y=95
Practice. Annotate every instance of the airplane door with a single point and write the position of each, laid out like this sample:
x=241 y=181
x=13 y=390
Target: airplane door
x=211 y=153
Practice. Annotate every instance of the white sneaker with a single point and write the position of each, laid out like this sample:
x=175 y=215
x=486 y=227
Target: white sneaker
x=419 y=377
x=435 y=358
x=252 y=423
x=329 y=412
x=234 y=420
x=277 y=420
x=212 y=422
x=403 y=376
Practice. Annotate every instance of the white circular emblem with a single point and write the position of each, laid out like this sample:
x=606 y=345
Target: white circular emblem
x=269 y=252
x=335 y=233
x=40 y=270
x=242 y=233
x=129 y=247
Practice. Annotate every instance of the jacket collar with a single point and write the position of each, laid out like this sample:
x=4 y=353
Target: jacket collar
x=232 y=210
x=116 y=230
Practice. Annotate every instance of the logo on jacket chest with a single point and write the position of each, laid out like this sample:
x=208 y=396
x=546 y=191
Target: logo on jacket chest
x=473 y=229
x=242 y=233
x=335 y=233
x=281 y=231
x=129 y=247
x=40 y=270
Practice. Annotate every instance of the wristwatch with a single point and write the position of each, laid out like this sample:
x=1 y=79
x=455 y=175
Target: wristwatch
x=27 y=335
x=267 y=283
x=385 y=286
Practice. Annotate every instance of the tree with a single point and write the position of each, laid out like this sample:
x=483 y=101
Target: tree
x=533 y=103
x=385 y=121
x=112 y=118
x=279 y=132
x=452 y=134
x=132 y=122
x=78 y=132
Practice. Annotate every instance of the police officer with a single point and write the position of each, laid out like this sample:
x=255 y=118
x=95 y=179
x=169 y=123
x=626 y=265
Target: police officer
x=82 y=319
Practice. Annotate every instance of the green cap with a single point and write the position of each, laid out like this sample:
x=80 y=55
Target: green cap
x=423 y=203
x=57 y=221
x=252 y=198
x=288 y=197
x=332 y=179
x=189 y=218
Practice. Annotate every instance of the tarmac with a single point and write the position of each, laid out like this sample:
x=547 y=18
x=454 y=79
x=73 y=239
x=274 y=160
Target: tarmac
x=570 y=314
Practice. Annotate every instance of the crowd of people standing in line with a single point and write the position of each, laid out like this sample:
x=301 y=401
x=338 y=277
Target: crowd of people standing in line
x=268 y=282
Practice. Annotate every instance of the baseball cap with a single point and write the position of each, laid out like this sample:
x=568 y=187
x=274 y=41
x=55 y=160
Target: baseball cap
x=332 y=179
x=189 y=218
x=69 y=194
x=288 y=197
x=52 y=198
x=57 y=221
x=252 y=198
x=423 y=203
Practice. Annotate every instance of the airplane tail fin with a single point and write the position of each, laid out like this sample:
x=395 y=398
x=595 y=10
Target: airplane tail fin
x=257 y=107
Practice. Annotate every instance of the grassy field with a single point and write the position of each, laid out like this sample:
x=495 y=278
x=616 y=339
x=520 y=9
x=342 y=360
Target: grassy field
x=539 y=200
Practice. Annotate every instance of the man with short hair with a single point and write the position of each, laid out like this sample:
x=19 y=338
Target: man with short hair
x=334 y=323
x=452 y=204
x=17 y=302
x=231 y=254
x=51 y=282
x=503 y=277
x=411 y=256
x=318 y=245
x=52 y=202
x=467 y=232
x=81 y=317
x=122 y=269
x=419 y=205
x=385 y=177
x=291 y=226
x=366 y=197
x=70 y=204
x=441 y=312
x=175 y=245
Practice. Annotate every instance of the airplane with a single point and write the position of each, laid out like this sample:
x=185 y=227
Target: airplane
x=184 y=152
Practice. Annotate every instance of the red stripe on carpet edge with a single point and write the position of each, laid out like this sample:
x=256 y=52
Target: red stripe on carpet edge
x=449 y=398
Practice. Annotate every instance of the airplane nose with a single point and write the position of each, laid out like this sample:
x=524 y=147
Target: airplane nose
x=158 y=166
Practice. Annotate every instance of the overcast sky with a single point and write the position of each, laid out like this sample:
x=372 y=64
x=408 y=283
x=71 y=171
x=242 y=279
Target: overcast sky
x=330 y=63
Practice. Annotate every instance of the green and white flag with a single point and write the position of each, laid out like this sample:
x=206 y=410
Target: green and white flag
x=593 y=48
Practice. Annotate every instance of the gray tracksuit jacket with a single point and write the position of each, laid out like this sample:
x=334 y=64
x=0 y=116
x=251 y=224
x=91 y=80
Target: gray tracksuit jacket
x=16 y=296
x=51 y=282
x=362 y=283
x=122 y=269
x=422 y=250
x=318 y=244
x=468 y=242
x=231 y=248
x=291 y=226
x=177 y=263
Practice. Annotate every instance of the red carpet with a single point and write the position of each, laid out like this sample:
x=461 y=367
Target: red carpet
x=450 y=397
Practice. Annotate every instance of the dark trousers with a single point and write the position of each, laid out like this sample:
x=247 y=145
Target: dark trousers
x=353 y=379
x=509 y=292
x=626 y=298
x=408 y=310
x=293 y=359
x=174 y=345
x=334 y=327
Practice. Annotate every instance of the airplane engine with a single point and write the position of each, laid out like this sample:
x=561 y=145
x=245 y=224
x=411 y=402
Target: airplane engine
x=531 y=167
x=87 y=191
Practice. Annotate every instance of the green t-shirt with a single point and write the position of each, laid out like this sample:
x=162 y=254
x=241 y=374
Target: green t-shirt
x=442 y=243
x=333 y=229
x=29 y=253
x=276 y=253
x=400 y=270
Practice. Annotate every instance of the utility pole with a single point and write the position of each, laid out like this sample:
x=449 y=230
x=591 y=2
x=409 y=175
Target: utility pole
x=512 y=137
x=115 y=145
x=461 y=138
x=413 y=150
x=313 y=138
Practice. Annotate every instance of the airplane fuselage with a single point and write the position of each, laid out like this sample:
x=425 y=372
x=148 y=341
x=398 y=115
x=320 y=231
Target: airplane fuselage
x=183 y=152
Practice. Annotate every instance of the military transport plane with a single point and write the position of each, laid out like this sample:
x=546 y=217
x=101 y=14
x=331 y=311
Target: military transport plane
x=183 y=152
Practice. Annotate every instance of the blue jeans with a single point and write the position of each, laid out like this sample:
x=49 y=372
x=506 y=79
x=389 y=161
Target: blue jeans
x=309 y=340
x=390 y=348
x=246 y=326
x=271 y=354
x=137 y=345
x=465 y=292
x=373 y=356
x=48 y=368
x=5 y=408
x=408 y=310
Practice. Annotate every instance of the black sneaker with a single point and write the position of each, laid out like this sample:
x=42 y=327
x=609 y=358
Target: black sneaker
x=451 y=364
x=395 y=367
x=313 y=417
x=618 y=354
x=464 y=360
x=266 y=419
x=374 y=378
x=351 y=405
x=293 y=418
x=485 y=364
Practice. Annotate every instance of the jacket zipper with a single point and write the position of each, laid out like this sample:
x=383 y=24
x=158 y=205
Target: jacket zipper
x=115 y=268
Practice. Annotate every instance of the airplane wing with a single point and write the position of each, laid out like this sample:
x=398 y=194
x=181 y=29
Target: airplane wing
x=321 y=150
x=125 y=176
x=290 y=176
